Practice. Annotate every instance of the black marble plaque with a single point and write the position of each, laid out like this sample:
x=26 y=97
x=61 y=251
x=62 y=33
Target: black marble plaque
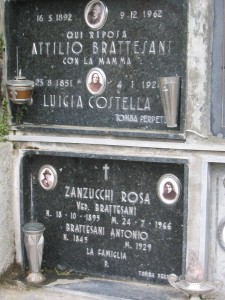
x=108 y=216
x=56 y=45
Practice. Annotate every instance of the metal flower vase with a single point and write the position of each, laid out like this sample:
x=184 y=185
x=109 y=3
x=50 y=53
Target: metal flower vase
x=34 y=244
x=169 y=88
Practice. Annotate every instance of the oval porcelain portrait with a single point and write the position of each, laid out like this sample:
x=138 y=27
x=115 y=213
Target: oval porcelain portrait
x=168 y=189
x=47 y=177
x=95 y=14
x=221 y=234
x=96 y=81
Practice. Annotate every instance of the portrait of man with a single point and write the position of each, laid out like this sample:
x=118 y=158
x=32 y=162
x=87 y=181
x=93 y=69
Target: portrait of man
x=96 y=81
x=46 y=181
x=47 y=177
x=168 y=189
x=95 y=14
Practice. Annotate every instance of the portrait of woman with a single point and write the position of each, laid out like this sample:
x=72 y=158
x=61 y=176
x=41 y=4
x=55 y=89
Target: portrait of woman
x=169 y=192
x=96 y=81
x=47 y=177
x=95 y=14
x=168 y=189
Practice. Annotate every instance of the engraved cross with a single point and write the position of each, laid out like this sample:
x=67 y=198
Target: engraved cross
x=106 y=169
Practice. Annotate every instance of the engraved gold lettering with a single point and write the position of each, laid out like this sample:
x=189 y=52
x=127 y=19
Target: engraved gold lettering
x=67 y=101
x=88 y=193
x=56 y=48
x=115 y=209
x=85 y=229
x=125 y=48
x=120 y=103
x=129 y=234
x=112 y=254
x=134 y=198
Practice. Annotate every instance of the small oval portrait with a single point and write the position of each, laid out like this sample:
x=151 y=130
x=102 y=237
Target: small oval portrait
x=47 y=177
x=168 y=189
x=96 y=81
x=221 y=234
x=95 y=14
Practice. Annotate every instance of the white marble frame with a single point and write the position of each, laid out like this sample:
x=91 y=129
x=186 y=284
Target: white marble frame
x=205 y=208
x=103 y=18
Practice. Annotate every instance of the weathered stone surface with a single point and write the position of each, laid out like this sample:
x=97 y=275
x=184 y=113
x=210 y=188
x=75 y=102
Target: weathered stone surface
x=6 y=204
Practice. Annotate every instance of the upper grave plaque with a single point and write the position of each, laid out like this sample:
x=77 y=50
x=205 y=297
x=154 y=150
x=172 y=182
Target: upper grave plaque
x=95 y=64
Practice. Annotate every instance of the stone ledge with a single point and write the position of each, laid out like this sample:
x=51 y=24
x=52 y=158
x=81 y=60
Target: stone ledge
x=94 y=288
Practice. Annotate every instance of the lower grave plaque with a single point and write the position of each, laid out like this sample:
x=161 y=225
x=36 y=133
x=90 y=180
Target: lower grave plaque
x=108 y=216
